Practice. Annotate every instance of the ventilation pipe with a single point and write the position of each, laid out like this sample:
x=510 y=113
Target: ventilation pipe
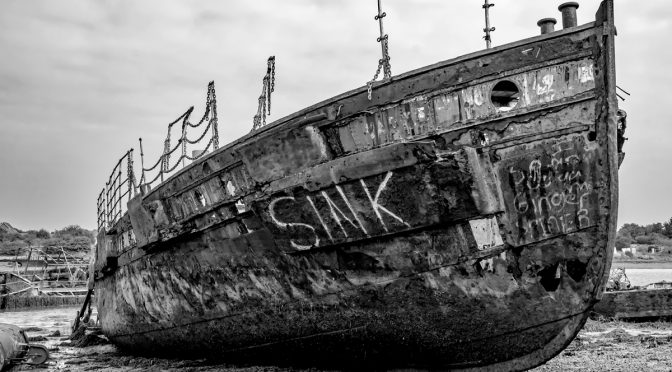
x=569 y=14
x=547 y=25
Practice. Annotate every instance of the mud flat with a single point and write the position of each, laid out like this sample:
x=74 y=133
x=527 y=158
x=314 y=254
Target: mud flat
x=617 y=346
x=51 y=327
x=600 y=346
x=642 y=264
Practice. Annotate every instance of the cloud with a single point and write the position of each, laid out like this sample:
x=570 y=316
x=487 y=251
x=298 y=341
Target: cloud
x=81 y=80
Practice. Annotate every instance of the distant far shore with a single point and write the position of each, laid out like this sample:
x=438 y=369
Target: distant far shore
x=639 y=264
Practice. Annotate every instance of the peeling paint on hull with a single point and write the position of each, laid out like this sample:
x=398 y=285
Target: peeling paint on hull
x=426 y=228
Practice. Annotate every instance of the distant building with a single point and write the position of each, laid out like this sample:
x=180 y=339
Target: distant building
x=660 y=285
x=653 y=249
x=631 y=249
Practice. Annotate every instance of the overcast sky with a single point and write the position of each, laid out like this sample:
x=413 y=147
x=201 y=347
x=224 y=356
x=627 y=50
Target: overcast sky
x=80 y=81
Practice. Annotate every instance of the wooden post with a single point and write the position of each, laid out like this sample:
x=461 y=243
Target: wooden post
x=30 y=253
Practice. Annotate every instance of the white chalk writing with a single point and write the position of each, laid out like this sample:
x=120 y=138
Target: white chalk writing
x=377 y=208
x=271 y=210
x=337 y=212
x=551 y=194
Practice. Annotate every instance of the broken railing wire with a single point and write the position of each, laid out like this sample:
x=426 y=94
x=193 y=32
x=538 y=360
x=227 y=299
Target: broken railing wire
x=622 y=90
x=210 y=116
x=265 y=97
x=120 y=187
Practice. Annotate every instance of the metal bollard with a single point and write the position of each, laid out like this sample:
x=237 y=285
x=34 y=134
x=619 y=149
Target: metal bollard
x=569 y=14
x=547 y=25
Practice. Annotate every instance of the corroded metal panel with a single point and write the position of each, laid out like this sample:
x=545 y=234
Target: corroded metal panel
x=536 y=87
x=391 y=202
x=446 y=110
x=213 y=192
x=420 y=116
x=227 y=185
x=486 y=232
x=550 y=188
x=409 y=119
x=396 y=124
x=278 y=156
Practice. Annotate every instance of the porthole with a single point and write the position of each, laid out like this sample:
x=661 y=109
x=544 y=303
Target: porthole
x=505 y=95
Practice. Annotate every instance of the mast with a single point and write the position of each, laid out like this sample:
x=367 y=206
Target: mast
x=487 y=29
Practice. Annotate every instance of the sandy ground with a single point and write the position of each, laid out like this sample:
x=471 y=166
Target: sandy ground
x=601 y=346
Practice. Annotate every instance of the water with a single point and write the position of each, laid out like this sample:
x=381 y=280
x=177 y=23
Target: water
x=642 y=277
x=52 y=319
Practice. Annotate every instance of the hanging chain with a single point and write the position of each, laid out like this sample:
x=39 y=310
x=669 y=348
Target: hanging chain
x=268 y=87
x=213 y=106
x=208 y=101
x=112 y=193
x=166 y=153
x=369 y=85
x=387 y=68
x=129 y=174
x=183 y=139
x=271 y=87
x=384 y=62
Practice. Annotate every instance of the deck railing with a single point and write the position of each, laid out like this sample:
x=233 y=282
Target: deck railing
x=122 y=184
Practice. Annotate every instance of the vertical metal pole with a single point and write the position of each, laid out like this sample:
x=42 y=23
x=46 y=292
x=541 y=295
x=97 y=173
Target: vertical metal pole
x=213 y=107
x=164 y=155
x=142 y=166
x=387 y=73
x=184 y=141
x=131 y=175
x=108 y=220
x=487 y=29
x=118 y=196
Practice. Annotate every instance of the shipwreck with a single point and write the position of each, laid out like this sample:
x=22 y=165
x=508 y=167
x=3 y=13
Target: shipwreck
x=457 y=216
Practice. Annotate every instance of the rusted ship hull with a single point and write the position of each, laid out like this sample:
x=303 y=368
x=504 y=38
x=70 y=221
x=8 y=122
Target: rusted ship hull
x=432 y=226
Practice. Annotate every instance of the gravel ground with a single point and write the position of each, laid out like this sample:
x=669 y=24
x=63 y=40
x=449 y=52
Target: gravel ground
x=601 y=346
x=617 y=346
